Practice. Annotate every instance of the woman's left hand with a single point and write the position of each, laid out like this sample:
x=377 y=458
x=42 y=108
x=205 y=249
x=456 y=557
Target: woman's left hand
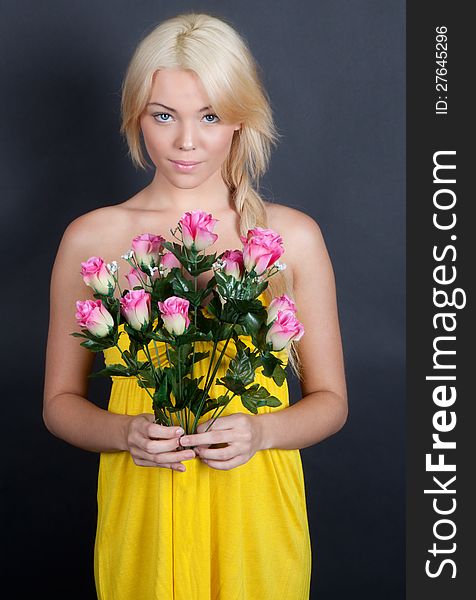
x=239 y=436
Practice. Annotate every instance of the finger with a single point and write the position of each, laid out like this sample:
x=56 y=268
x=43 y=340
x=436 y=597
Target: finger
x=156 y=431
x=210 y=437
x=165 y=457
x=148 y=463
x=154 y=447
x=175 y=467
x=145 y=444
x=173 y=457
x=226 y=453
x=224 y=465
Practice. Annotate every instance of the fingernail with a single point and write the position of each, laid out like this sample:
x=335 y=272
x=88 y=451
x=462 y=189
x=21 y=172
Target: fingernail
x=179 y=431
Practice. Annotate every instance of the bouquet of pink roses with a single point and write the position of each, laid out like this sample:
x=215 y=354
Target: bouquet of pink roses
x=165 y=306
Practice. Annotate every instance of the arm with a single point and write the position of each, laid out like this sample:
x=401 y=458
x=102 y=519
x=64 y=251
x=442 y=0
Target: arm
x=322 y=411
x=323 y=408
x=67 y=413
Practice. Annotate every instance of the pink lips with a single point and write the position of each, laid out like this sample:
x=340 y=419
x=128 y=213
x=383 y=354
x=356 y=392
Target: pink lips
x=184 y=165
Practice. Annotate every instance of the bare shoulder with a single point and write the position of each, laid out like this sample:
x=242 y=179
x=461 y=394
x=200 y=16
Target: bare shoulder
x=298 y=230
x=290 y=219
x=88 y=225
x=94 y=228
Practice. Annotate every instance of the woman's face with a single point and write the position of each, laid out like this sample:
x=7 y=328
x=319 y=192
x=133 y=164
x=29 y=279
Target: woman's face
x=178 y=124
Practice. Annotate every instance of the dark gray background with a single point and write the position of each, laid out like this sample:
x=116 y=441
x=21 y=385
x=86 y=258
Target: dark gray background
x=335 y=74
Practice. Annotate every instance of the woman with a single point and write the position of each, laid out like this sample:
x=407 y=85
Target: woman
x=232 y=524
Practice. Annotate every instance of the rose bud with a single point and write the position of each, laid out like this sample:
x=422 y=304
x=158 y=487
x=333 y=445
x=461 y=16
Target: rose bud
x=174 y=312
x=97 y=275
x=135 y=308
x=147 y=248
x=169 y=261
x=135 y=278
x=261 y=249
x=282 y=303
x=234 y=266
x=197 y=228
x=94 y=316
x=284 y=329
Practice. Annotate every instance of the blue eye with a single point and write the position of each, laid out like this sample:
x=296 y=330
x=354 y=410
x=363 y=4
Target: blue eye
x=168 y=115
x=159 y=115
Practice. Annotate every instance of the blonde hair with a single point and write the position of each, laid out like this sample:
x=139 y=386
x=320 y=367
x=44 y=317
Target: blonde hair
x=213 y=50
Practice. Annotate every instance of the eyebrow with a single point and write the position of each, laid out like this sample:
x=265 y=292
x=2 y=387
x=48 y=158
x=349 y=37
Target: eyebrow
x=173 y=109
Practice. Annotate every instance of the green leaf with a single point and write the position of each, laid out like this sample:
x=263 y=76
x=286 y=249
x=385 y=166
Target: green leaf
x=241 y=367
x=111 y=370
x=269 y=362
x=214 y=307
x=180 y=284
x=134 y=347
x=192 y=336
x=94 y=346
x=214 y=403
x=192 y=393
x=147 y=377
x=273 y=401
x=232 y=384
x=279 y=375
x=203 y=264
x=161 y=397
x=75 y=334
x=257 y=395
x=249 y=404
x=160 y=335
x=199 y=356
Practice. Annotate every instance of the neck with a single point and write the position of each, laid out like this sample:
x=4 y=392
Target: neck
x=212 y=196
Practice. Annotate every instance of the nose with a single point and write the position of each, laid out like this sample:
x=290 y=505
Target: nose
x=186 y=139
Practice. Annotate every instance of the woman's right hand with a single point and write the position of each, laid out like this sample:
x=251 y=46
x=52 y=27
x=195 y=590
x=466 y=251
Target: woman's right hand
x=154 y=445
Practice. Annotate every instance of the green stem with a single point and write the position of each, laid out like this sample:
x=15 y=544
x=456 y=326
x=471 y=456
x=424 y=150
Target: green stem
x=157 y=354
x=222 y=409
x=127 y=363
x=170 y=364
x=195 y=278
x=209 y=383
x=117 y=283
x=224 y=406
x=167 y=418
x=180 y=389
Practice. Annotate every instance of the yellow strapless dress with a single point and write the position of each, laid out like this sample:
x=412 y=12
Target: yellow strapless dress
x=203 y=534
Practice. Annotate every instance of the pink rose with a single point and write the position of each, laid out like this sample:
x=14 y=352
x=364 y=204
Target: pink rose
x=233 y=263
x=282 y=303
x=147 y=247
x=284 y=329
x=134 y=278
x=261 y=249
x=175 y=314
x=97 y=276
x=169 y=261
x=135 y=308
x=94 y=316
x=197 y=228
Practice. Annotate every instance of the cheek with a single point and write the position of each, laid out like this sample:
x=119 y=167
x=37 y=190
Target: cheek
x=221 y=143
x=153 y=140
